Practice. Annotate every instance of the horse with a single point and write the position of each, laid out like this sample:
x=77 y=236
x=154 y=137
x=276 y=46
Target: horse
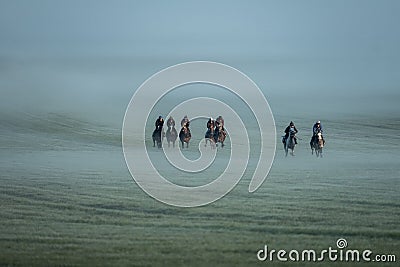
x=171 y=134
x=317 y=145
x=210 y=135
x=220 y=135
x=290 y=143
x=157 y=136
x=185 y=135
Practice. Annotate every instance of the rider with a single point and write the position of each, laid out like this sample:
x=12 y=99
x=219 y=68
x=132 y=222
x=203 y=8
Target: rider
x=159 y=122
x=210 y=124
x=316 y=129
x=171 y=122
x=287 y=131
x=184 y=120
x=220 y=121
x=210 y=127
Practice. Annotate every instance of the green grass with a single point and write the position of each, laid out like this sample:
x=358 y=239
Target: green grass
x=81 y=217
x=66 y=202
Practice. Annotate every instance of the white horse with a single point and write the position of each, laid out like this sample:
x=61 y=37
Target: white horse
x=290 y=143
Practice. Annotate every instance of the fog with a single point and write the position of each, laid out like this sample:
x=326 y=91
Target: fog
x=89 y=57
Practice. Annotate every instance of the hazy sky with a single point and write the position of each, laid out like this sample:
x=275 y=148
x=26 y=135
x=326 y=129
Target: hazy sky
x=300 y=45
x=233 y=28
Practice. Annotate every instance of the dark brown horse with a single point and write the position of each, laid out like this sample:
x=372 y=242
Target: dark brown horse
x=157 y=136
x=220 y=135
x=185 y=135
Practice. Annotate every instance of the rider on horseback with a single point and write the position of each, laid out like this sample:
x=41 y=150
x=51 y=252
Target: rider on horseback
x=171 y=122
x=210 y=127
x=184 y=120
x=287 y=131
x=158 y=132
x=159 y=122
x=317 y=128
x=210 y=124
x=220 y=122
x=171 y=132
x=184 y=134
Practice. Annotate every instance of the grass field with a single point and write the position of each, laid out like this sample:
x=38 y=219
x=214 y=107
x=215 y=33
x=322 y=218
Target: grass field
x=67 y=199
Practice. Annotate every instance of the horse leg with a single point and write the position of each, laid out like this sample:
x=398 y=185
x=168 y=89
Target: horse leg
x=290 y=145
x=212 y=143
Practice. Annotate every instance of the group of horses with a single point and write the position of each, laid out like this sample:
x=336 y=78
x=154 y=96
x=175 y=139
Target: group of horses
x=215 y=133
x=172 y=134
x=316 y=144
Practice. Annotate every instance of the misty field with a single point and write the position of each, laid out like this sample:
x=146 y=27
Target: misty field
x=68 y=199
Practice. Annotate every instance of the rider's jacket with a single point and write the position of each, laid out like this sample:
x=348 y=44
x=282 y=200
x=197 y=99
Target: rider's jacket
x=287 y=130
x=220 y=121
x=184 y=120
x=316 y=129
x=159 y=123
x=210 y=124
